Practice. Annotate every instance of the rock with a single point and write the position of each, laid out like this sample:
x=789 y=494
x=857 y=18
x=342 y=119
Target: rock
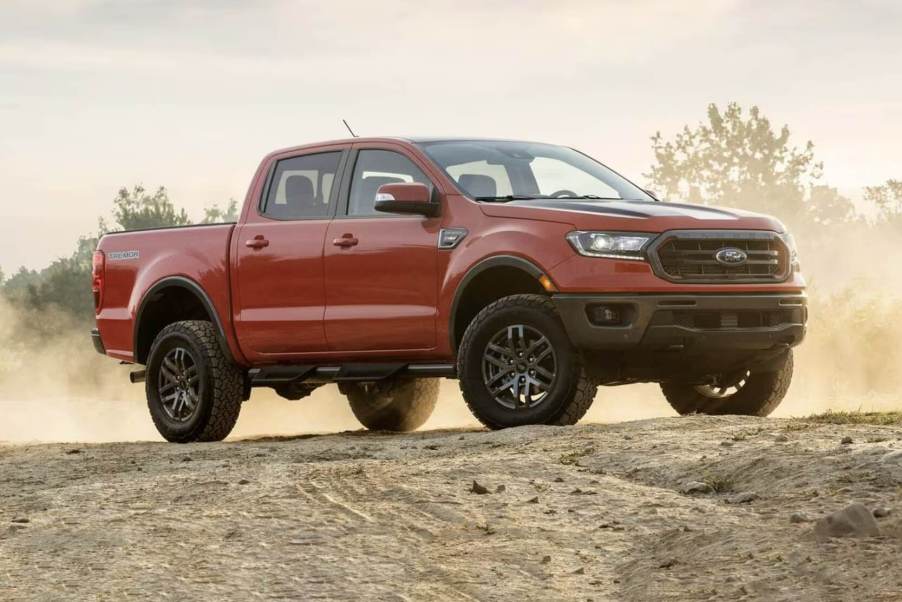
x=846 y=441
x=559 y=479
x=478 y=489
x=667 y=563
x=893 y=456
x=534 y=500
x=546 y=559
x=881 y=512
x=799 y=517
x=186 y=459
x=431 y=447
x=696 y=487
x=743 y=498
x=500 y=489
x=854 y=520
x=70 y=452
x=580 y=571
x=243 y=482
x=726 y=444
x=20 y=521
x=781 y=438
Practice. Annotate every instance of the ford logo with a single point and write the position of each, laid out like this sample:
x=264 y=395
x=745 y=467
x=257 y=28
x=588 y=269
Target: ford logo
x=731 y=256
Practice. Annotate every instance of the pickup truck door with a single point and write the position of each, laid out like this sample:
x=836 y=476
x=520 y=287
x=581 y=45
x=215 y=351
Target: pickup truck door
x=380 y=268
x=280 y=298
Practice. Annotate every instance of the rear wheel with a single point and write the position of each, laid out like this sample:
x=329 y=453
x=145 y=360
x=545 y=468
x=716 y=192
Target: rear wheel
x=747 y=393
x=194 y=392
x=398 y=404
x=517 y=366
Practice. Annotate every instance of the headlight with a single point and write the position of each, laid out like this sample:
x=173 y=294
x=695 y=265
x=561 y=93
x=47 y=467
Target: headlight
x=790 y=241
x=616 y=245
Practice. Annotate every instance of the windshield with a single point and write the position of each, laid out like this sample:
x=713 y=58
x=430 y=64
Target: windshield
x=494 y=170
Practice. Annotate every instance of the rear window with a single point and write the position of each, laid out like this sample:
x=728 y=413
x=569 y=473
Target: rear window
x=301 y=187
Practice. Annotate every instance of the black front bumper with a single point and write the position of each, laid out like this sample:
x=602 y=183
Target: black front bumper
x=692 y=323
x=98 y=343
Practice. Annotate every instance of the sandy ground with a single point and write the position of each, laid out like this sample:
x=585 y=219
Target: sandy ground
x=586 y=512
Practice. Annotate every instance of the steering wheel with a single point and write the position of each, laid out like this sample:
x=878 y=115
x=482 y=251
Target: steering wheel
x=562 y=193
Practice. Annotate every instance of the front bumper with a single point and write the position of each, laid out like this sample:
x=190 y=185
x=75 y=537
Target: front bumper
x=98 y=343
x=691 y=323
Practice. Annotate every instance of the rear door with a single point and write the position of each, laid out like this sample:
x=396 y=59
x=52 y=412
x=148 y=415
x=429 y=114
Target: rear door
x=281 y=298
x=380 y=268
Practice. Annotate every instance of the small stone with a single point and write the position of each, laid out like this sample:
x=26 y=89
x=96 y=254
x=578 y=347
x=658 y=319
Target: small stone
x=667 y=563
x=186 y=459
x=798 y=517
x=534 y=500
x=743 y=498
x=726 y=444
x=781 y=438
x=70 y=452
x=433 y=447
x=478 y=489
x=881 y=512
x=854 y=520
x=580 y=571
x=500 y=489
x=20 y=521
x=696 y=487
x=559 y=479
x=243 y=482
x=846 y=441
x=546 y=559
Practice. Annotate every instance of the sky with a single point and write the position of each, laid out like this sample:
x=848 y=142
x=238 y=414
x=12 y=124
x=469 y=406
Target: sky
x=100 y=94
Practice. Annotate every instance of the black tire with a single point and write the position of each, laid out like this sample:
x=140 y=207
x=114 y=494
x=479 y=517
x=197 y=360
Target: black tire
x=220 y=384
x=760 y=395
x=398 y=404
x=565 y=400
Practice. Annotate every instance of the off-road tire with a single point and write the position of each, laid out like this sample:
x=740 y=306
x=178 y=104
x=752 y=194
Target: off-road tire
x=761 y=394
x=397 y=404
x=221 y=384
x=572 y=392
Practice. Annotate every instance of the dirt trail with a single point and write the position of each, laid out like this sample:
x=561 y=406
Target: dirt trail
x=586 y=512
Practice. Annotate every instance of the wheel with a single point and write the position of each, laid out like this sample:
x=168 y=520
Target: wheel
x=194 y=392
x=398 y=404
x=517 y=366
x=750 y=393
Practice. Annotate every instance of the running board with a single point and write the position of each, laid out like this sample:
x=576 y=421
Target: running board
x=284 y=374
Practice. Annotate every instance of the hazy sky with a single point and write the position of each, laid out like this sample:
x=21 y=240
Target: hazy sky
x=95 y=95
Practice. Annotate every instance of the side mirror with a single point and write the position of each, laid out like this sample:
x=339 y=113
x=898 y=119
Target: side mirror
x=411 y=197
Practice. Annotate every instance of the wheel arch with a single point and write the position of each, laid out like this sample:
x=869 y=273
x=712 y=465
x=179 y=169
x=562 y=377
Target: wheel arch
x=170 y=300
x=488 y=281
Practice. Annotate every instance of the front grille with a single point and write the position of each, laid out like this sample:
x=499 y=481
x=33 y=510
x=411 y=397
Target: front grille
x=689 y=256
x=728 y=319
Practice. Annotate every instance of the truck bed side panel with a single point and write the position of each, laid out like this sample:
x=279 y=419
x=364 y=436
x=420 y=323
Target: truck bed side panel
x=136 y=261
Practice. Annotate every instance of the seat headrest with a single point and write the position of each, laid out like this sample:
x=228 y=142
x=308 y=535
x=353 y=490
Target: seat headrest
x=478 y=185
x=299 y=197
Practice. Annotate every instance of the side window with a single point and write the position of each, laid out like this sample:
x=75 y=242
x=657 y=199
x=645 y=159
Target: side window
x=301 y=187
x=375 y=168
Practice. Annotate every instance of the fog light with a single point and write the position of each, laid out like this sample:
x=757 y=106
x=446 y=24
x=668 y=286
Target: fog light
x=606 y=315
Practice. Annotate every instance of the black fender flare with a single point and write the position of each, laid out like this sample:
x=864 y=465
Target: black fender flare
x=494 y=261
x=196 y=289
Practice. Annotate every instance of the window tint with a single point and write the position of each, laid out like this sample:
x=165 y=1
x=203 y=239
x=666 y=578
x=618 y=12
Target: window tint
x=375 y=168
x=302 y=187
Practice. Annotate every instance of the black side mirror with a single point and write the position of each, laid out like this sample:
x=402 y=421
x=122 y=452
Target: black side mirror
x=411 y=198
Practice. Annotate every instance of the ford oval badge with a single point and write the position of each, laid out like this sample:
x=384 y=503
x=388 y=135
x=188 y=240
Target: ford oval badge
x=731 y=256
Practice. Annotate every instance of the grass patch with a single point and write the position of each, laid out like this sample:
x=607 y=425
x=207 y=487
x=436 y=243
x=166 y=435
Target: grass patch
x=876 y=418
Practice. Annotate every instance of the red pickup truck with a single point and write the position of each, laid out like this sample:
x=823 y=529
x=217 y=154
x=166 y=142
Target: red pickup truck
x=530 y=272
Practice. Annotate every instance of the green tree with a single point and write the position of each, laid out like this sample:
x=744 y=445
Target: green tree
x=215 y=215
x=135 y=209
x=739 y=159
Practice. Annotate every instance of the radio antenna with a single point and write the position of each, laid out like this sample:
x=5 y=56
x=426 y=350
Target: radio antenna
x=349 y=128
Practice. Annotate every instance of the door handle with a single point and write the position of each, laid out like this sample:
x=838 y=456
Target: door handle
x=258 y=242
x=346 y=240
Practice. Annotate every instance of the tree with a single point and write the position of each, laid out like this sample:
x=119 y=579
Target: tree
x=135 y=210
x=887 y=198
x=215 y=215
x=739 y=160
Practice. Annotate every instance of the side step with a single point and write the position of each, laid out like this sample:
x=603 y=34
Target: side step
x=283 y=374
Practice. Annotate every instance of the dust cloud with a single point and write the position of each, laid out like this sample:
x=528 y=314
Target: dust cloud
x=54 y=387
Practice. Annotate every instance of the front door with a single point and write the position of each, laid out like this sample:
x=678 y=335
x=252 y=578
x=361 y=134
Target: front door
x=280 y=292
x=380 y=268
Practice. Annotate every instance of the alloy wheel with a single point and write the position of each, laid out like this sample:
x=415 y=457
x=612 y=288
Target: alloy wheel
x=519 y=367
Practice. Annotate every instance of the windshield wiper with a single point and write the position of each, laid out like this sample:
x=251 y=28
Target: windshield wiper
x=506 y=198
x=594 y=197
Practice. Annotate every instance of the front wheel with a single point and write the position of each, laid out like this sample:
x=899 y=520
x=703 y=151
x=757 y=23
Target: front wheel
x=517 y=366
x=749 y=393
x=398 y=404
x=194 y=392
